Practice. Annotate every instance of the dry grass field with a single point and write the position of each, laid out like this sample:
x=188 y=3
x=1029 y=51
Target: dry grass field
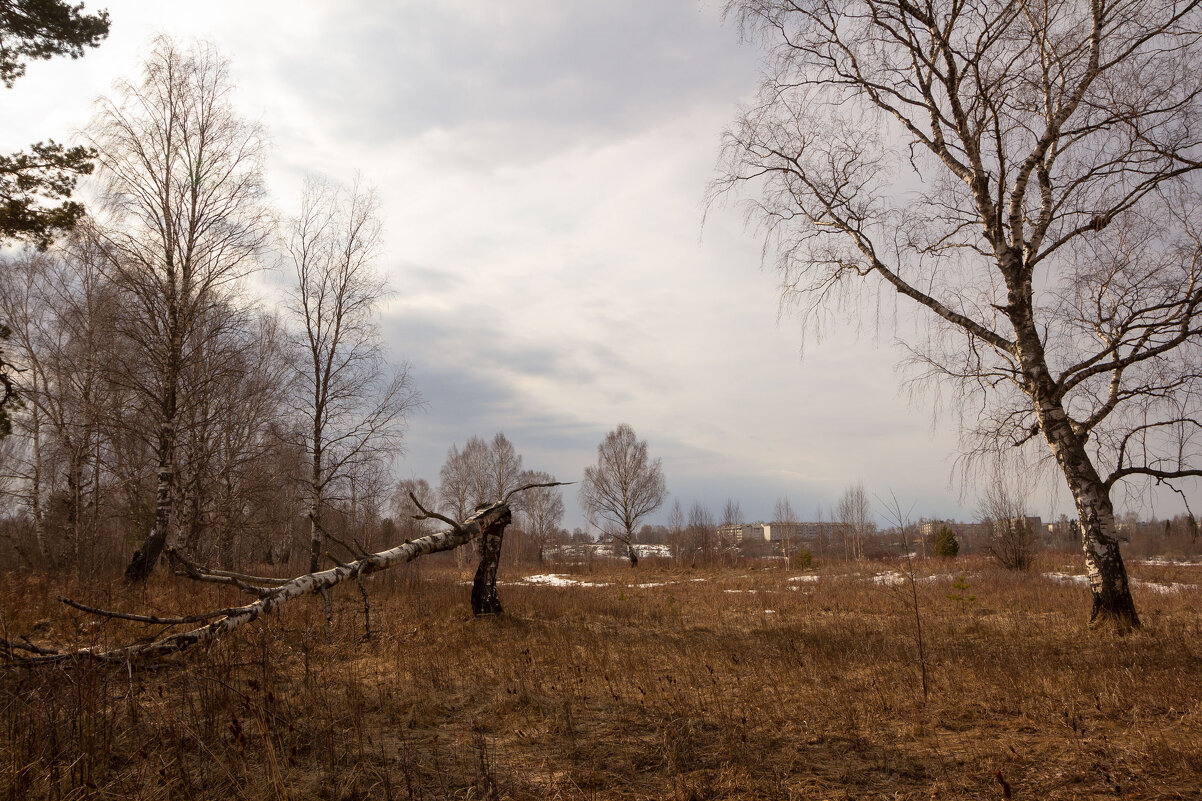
x=652 y=683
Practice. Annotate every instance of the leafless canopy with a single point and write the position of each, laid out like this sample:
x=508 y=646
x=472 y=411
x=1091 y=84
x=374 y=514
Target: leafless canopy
x=541 y=507
x=482 y=472
x=353 y=406
x=853 y=515
x=623 y=487
x=1002 y=509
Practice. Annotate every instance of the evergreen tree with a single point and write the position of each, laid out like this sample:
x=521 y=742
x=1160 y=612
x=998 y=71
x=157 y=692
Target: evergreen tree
x=35 y=186
x=946 y=544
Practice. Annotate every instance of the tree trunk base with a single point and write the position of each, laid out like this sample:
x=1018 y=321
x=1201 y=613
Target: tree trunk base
x=1117 y=613
x=145 y=558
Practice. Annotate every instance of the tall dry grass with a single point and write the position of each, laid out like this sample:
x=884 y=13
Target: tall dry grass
x=733 y=684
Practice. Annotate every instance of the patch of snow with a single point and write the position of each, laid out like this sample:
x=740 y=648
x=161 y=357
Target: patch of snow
x=806 y=578
x=752 y=592
x=889 y=579
x=648 y=549
x=559 y=580
x=1067 y=578
x=769 y=611
x=1164 y=561
x=647 y=584
x=1164 y=589
x=1155 y=586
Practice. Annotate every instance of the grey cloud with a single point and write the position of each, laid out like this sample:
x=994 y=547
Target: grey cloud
x=426 y=279
x=475 y=339
x=566 y=69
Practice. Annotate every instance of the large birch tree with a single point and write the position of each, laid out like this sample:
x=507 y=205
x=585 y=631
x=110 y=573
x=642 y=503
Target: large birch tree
x=182 y=195
x=1024 y=172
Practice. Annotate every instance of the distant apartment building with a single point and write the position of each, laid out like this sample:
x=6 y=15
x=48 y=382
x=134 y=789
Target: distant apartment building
x=769 y=532
x=739 y=533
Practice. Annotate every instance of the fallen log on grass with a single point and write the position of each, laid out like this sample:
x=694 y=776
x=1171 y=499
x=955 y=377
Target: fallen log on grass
x=487 y=523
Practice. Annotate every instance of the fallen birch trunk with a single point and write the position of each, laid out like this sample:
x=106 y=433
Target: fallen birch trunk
x=487 y=522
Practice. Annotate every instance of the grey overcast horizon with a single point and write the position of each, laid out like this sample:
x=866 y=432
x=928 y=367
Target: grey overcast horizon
x=541 y=167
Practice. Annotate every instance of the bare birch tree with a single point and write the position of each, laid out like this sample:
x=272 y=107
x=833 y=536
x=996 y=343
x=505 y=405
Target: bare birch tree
x=504 y=471
x=623 y=487
x=353 y=406
x=701 y=533
x=478 y=474
x=1024 y=173
x=783 y=513
x=182 y=191
x=60 y=308
x=542 y=508
x=406 y=513
x=853 y=515
x=732 y=518
x=460 y=480
x=229 y=487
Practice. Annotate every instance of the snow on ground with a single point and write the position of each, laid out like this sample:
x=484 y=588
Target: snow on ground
x=1164 y=589
x=1067 y=578
x=806 y=578
x=585 y=551
x=1155 y=586
x=560 y=580
x=1165 y=561
x=889 y=579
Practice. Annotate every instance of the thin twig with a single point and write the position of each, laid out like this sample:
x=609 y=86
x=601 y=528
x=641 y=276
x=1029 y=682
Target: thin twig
x=525 y=487
x=154 y=619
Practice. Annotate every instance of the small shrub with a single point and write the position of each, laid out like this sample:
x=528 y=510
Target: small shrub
x=803 y=558
x=1012 y=542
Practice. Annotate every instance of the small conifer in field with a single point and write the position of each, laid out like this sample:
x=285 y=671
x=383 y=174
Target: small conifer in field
x=946 y=544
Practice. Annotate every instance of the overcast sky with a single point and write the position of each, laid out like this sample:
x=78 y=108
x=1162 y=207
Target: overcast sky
x=541 y=166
